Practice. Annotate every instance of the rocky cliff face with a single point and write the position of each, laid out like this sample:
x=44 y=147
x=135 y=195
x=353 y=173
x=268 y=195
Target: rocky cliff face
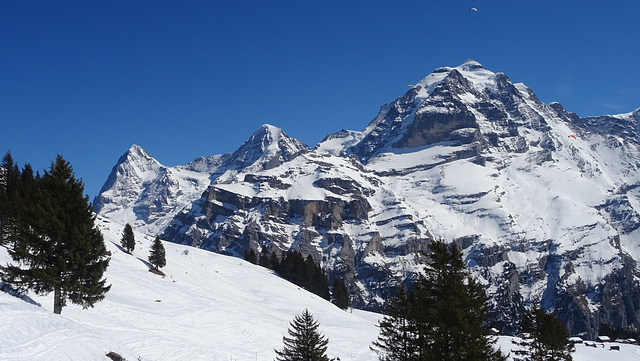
x=543 y=203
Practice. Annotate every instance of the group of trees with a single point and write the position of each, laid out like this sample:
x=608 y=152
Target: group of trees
x=441 y=318
x=443 y=315
x=157 y=255
x=47 y=226
x=618 y=333
x=301 y=271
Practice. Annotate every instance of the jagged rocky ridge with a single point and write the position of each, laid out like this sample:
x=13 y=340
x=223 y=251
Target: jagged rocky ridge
x=543 y=202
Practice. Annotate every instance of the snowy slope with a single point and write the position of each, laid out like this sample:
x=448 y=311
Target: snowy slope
x=207 y=307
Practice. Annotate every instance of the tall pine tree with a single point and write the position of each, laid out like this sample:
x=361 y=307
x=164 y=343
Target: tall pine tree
x=442 y=317
x=9 y=197
x=340 y=294
x=305 y=342
x=57 y=247
x=397 y=338
x=128 y=241
x=157 y=256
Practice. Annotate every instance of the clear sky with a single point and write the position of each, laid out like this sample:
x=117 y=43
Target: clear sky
x=182 y=79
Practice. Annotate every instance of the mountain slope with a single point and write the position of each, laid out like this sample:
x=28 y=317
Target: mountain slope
x=545 y=204
x=207 y=307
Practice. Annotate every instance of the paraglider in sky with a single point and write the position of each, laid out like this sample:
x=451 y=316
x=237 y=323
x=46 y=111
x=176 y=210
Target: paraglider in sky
x=473 y=9
x=572 y=136
x=410 y=85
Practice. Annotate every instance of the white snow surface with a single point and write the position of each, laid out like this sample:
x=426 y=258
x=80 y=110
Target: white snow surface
x=207 y=307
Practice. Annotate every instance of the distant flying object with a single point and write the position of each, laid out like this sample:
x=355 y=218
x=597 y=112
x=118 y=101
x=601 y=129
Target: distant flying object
x=410 y=85
x=473 y=9
x=572 y=136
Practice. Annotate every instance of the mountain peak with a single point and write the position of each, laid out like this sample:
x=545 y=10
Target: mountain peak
x=471 y=65
x=268 y=147
x=135 y=152
x=136 y=163
x=471 y=70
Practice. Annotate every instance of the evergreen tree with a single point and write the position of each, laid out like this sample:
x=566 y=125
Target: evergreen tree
x=57 y=246
x=442 y=317
x=618 y=333
x=305 y=342
x=275 y=261
x=157 y=256
x=265 y=259
x=549 y=338
x=450 y=309
x=397 y=338
x=250 y=256
x=340 y=294
x=9 y=197
x=302 y=272
x=128 y=240
x=316 y=281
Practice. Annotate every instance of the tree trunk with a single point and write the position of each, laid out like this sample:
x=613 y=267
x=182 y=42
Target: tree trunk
x=57 y=301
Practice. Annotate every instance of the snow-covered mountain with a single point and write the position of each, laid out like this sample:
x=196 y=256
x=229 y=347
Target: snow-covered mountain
x=147 y=194
x=544 y=203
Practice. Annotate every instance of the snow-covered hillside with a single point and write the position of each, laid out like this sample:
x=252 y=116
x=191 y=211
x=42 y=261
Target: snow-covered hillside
x=207 y=307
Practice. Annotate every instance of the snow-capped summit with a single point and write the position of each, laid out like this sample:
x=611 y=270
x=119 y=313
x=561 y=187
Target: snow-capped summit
x=471 y=70
x=621 y=125
x=134 y=168
x=467 y=104
x=268 y=147
x=145 y=193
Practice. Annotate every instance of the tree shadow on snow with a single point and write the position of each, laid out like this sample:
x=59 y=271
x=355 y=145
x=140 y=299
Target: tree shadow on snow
x=144 y=261
x=6 y=288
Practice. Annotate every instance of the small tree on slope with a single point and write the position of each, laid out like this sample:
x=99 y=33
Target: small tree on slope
x=157 y=256
x=305 y=343
x=128 y=240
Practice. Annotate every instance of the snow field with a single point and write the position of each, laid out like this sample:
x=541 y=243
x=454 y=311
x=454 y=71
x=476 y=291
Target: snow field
x=207 y=307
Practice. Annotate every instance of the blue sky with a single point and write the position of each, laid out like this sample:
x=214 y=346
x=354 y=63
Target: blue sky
x=182 y=79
